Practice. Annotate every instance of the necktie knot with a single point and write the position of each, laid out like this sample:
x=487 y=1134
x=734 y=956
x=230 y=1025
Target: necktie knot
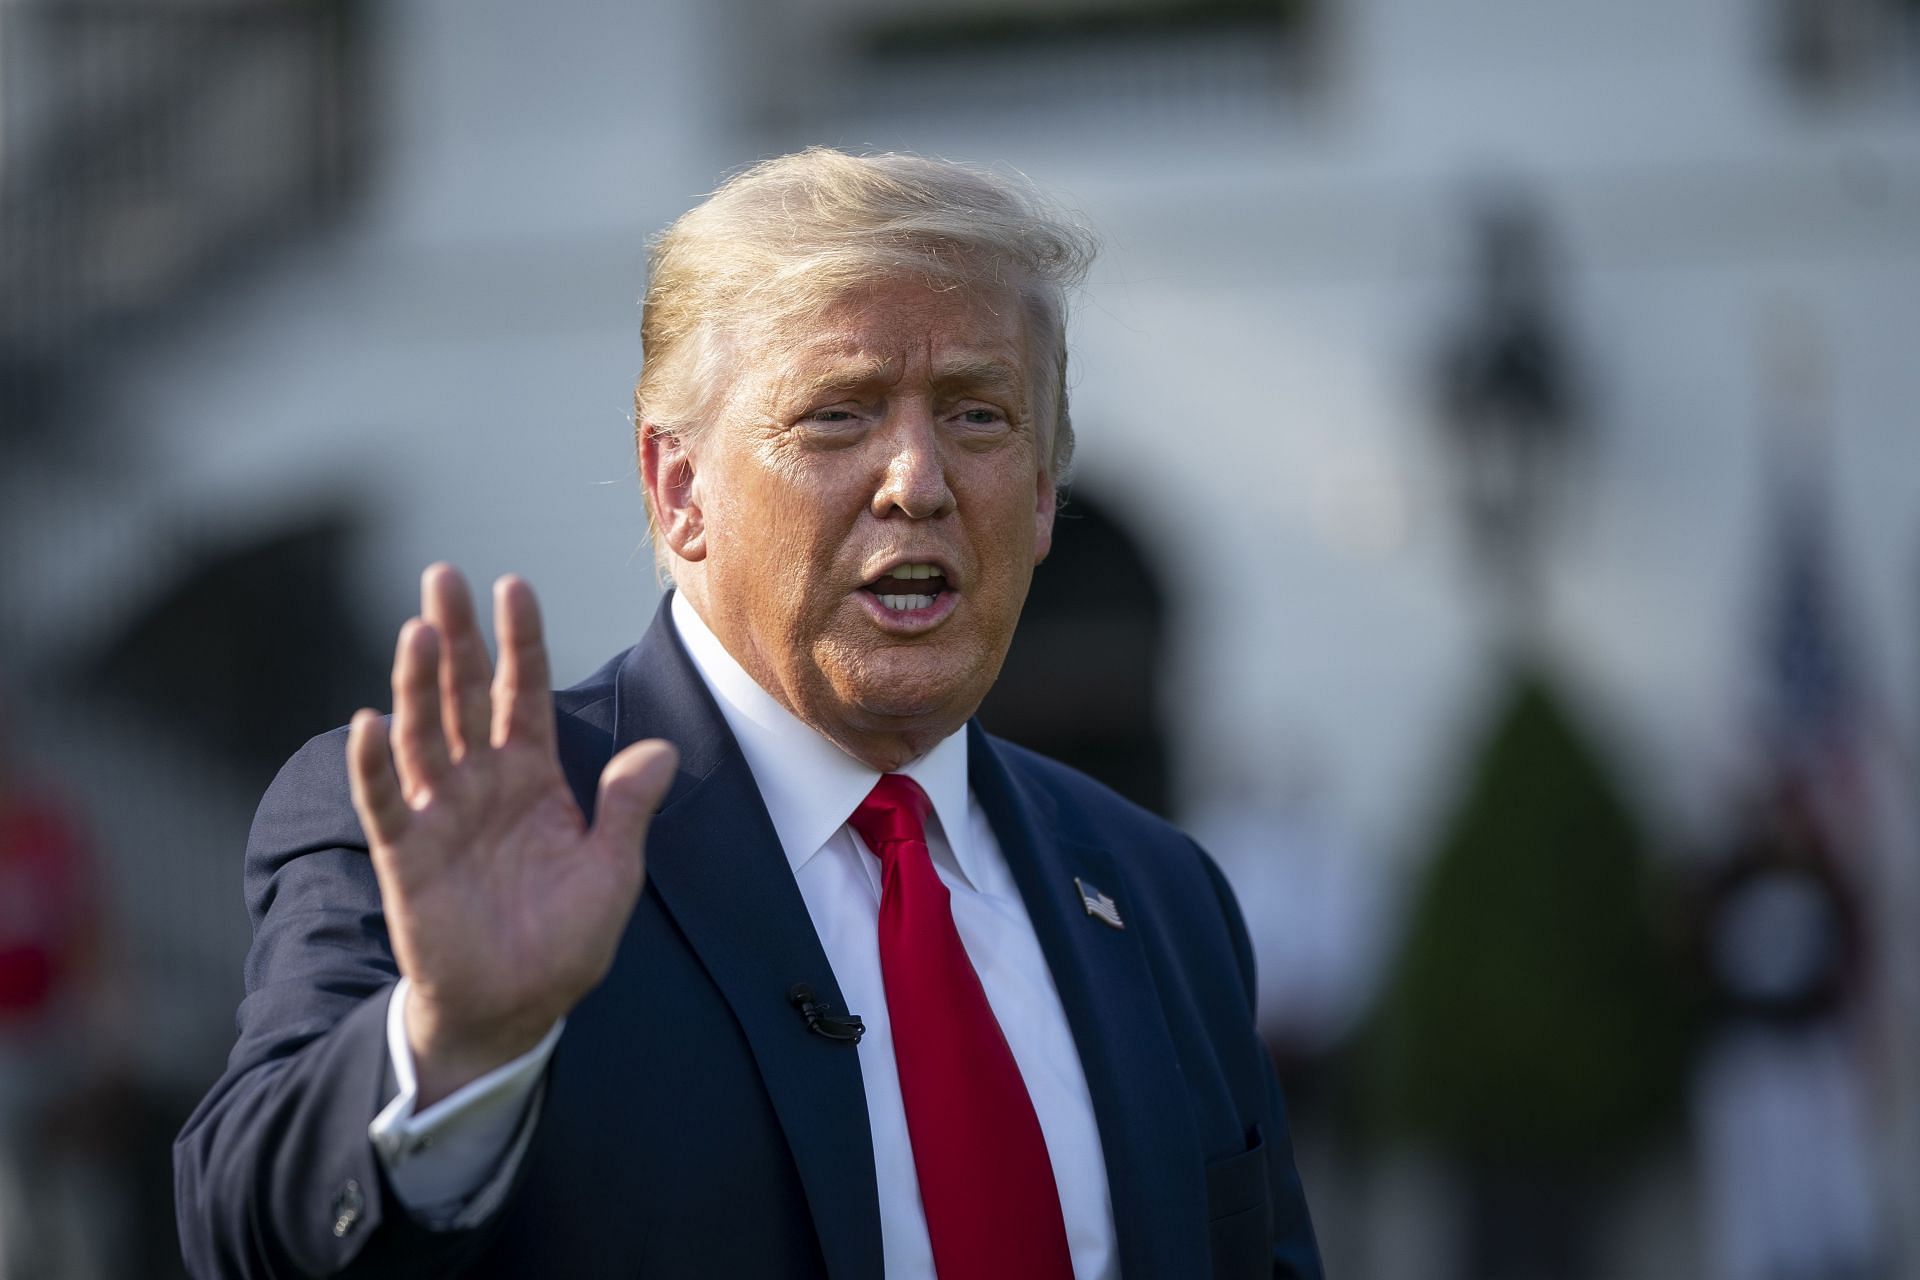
x=895 y=811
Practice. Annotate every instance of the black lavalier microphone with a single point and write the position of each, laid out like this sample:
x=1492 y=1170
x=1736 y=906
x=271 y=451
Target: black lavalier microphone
x=821 y=1020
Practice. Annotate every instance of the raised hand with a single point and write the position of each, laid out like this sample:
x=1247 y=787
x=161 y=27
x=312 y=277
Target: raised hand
x=503 y=907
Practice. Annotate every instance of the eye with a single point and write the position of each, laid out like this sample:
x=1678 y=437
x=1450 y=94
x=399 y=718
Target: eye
x=978 y=418
x=831 y=426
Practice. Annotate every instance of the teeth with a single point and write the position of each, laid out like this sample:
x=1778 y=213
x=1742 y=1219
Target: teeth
x=916 y=571
x=903 y=603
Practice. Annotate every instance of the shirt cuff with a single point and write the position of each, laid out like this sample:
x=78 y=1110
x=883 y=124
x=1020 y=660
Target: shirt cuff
x=452 y=1164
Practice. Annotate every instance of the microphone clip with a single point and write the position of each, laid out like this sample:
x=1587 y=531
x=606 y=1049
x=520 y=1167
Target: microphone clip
x=821 y=1020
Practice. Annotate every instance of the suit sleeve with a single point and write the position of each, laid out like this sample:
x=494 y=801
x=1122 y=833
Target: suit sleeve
x=1296 y=1255
x=274 y=1173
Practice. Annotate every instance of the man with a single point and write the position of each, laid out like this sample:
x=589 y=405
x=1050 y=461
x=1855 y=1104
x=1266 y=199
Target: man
x=897 y=998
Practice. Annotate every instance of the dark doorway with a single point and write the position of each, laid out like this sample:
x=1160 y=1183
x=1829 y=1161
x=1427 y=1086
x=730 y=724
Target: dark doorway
x=1082 y=681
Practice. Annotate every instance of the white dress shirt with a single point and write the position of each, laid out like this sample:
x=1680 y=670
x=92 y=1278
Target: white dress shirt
x=450 y=1162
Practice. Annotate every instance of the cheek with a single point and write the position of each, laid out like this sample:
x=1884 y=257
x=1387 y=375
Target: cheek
x=793 y=568
x=764 y=516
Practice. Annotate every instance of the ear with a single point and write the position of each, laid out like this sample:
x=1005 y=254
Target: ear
x=666 y=471
x=1045 y=501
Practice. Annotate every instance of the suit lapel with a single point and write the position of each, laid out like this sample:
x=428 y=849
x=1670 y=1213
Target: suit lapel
x=715 y=863
x=1113 y=1008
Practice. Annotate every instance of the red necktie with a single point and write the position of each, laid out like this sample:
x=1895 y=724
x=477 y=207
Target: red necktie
x=993 y=1211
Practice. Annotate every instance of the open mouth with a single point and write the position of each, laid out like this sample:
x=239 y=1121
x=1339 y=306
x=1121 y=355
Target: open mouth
x=909 y=588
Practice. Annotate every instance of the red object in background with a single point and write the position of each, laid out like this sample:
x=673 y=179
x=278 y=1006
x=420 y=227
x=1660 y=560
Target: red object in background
x=45 y=911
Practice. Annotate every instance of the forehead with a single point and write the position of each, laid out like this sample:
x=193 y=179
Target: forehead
x=903 y=324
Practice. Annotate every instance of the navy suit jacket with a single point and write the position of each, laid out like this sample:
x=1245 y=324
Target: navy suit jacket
x=691 y=1125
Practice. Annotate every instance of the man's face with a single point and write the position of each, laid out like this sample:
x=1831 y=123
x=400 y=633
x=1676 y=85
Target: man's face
x=873 y=506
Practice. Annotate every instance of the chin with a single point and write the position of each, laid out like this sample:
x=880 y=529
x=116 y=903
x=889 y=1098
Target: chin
x=895 y=706
x=902 y=692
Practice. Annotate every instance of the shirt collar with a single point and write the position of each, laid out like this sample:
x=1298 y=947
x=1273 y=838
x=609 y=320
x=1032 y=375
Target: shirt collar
x=809 y=785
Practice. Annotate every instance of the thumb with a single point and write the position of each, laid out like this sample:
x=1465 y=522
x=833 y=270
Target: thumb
x=631 y=788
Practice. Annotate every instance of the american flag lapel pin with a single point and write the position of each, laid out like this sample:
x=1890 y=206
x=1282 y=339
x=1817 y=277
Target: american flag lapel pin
x=1099 y=905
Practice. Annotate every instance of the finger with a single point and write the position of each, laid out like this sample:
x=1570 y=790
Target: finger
x=464 y=673
x=370 y=777
x=419 y=745
x=631 y=788
x=522 y=688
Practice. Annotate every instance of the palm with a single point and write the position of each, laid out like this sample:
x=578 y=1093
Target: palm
x=503 y=906
x=499 y=890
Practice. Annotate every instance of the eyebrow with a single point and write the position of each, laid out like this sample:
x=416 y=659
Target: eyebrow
x=984 y=373
x=987 y=373
x=843 y=378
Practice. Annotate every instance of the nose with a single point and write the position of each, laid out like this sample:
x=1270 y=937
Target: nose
x=915 y=480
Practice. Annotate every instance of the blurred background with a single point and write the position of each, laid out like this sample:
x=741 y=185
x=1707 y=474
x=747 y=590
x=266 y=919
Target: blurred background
x=1496 y=533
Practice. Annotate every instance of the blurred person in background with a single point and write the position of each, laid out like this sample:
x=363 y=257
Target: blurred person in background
x=1779 y=1107
x=50 y=970
x=484 y=1049
x=1783 y=1107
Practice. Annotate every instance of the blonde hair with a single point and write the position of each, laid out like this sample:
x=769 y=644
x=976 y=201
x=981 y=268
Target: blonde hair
x=786 y=238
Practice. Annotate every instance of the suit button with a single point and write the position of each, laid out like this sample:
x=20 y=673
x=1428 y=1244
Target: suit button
x=346 y=1208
